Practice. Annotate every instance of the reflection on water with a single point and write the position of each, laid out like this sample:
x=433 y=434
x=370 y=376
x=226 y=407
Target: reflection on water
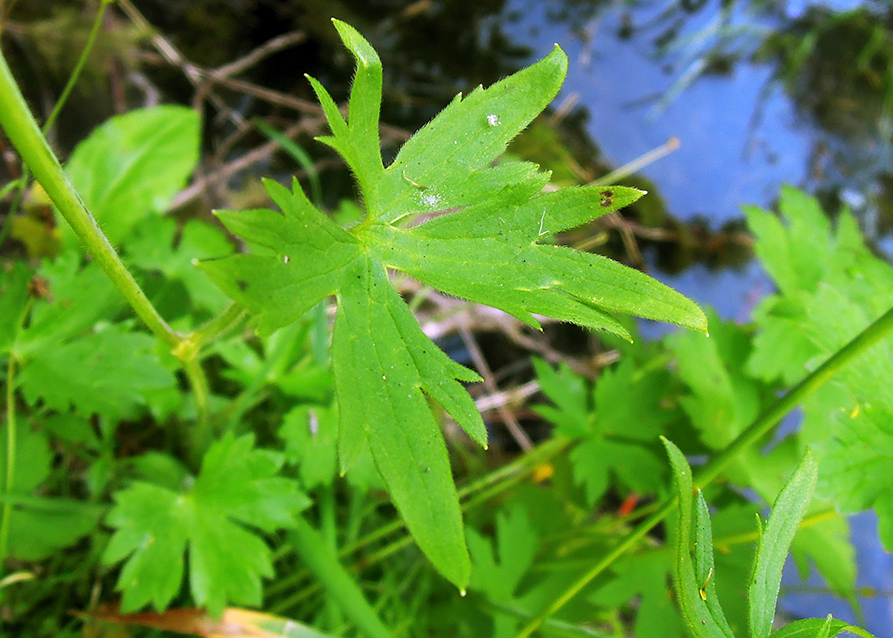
x=813 y=110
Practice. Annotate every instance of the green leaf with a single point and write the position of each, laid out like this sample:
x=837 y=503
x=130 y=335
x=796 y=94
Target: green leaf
x=133 y=165
x=704 y=620
x=479 y=239
x=832 y=287
x=705 y=567
x=722 y=400
x=104 y=372
x=787 y=512
x=310 y=435
x=643 y=580
x=153 y=248
x=497 y=572
x=13 y=302
x=818 y=628
x=734 y=518
x=571 y=396
x=237 y=488
x=794 y=256
x=489 y=252
x=516 y=543
x=781 y=348
x=620 y=442
x=79 y=298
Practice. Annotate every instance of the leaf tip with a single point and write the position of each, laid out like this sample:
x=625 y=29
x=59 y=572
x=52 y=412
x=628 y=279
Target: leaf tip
x=357 y=44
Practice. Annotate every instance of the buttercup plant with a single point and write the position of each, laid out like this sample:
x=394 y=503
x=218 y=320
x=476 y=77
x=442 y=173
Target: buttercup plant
x=446 y=213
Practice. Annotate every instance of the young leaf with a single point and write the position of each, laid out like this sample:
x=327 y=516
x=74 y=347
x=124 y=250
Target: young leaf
x=787 y=512
x=516 y=543
x=618 y=435
x=704 y=619
x=704 y=566
x=481 y=244
x=571 y=395
x=236 y=487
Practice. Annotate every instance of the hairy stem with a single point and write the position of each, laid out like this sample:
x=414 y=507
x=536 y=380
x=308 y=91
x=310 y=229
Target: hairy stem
x=25 y=135
x=202 y=435
x=218 y=326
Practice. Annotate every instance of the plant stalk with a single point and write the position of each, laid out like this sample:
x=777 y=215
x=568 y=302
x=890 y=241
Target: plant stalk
x=22 y=130
x=22 y=182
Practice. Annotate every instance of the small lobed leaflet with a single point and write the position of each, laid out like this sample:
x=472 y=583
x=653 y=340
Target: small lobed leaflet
x=478 y=239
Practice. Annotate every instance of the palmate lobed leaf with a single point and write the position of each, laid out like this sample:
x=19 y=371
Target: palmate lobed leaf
x=479 y=239
x=237 y=487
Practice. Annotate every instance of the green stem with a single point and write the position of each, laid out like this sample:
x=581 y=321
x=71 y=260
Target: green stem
x=78 y=68
x=10 y=458
x=25 y=135
x=322 y=561
x=754 y=432
x=329 y=531
x=216 y=327
x=202 y=434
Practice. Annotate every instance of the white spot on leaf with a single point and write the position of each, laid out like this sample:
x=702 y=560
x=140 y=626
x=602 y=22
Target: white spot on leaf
x=429 y=200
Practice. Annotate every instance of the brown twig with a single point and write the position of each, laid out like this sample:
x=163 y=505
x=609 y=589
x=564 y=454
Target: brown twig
x=480 y=363
x=254 y=56
x=228 y=170
x=172 y=55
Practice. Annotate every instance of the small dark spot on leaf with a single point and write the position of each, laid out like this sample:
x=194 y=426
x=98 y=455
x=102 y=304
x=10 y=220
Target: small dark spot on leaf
x=39 y=288
x=242 y=284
